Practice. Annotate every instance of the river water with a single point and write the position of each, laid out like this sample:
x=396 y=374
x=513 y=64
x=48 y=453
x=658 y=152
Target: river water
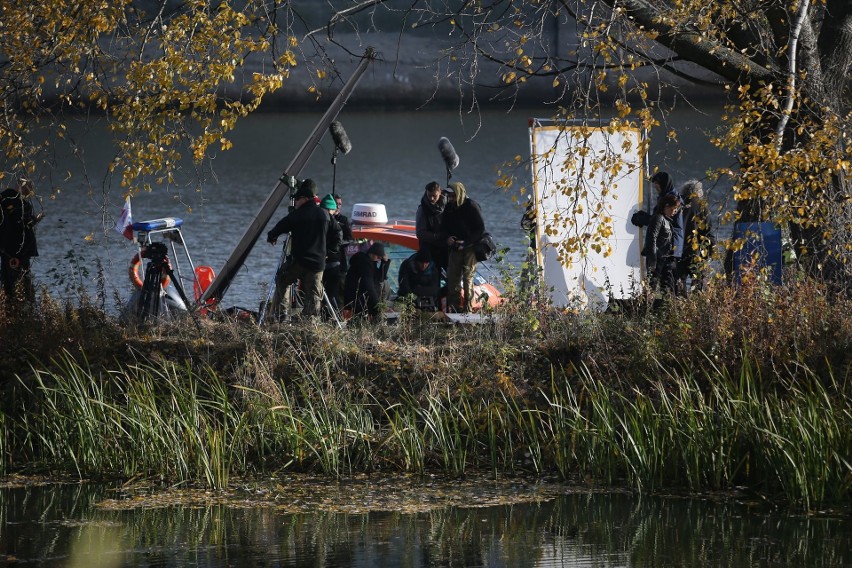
x=77 y=525
x=393 y=156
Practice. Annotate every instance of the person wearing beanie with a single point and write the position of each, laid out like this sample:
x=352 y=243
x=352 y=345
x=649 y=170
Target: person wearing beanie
x=308 y=226
x=462 y=226
x=420 y=277
x=346 y=226
x=333 y=240
x=362 y=291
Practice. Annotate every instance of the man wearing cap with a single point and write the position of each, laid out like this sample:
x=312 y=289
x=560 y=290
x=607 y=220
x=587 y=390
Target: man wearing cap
x=333 y=240
x=420 y=277
x=308 y=226
x=367 y=271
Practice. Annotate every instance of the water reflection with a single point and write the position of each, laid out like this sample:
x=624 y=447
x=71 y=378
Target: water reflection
x=61 y=525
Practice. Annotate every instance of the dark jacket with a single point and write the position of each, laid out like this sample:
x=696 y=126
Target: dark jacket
x=422 y=284
x=659 y=241
x=346 y=227
x=17 y=225
x=642 y=218
x=464 y=222
x=333 y=240
x=307 y=226
x=428 y=226
x=363 y=283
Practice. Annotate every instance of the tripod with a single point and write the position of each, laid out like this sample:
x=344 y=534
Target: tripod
x=158 y=266
x=282 y=261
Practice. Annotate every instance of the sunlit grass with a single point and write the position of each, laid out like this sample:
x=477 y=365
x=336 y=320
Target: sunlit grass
x=184 y=425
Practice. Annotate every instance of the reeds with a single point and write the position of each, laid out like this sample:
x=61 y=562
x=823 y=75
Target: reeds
x=790 y=441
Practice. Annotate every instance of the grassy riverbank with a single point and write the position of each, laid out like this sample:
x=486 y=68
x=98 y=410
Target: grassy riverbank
x=746 y=387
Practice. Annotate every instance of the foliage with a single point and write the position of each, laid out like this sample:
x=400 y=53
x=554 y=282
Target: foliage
x=782 y=66
x=159 y=77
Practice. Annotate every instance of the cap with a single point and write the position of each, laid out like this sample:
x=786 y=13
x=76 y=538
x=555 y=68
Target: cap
x=308 y=188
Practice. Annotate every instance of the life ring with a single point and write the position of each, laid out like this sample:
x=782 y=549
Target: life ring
x=133 y=272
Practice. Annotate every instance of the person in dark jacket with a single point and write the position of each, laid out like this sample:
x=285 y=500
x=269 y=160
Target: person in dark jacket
x=18 y=242
x=664 y=185
x=462 y=226
x=698 y=241
x=362 y=291
x=428 y=223
x=659 y=245
x=308 y=226
x=346 y=226
x=420 y=277
x=333 y=241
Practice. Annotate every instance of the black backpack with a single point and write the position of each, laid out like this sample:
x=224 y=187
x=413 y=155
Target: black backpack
x=485 y=247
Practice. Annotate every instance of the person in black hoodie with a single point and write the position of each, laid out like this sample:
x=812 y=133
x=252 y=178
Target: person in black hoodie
x=367 y=271
x=307 y=225
x=462 y=226
x=18 y=241
x=428 y=223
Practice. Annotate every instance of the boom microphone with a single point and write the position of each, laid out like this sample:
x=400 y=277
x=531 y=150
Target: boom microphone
x=451 y=159
x=341 y=140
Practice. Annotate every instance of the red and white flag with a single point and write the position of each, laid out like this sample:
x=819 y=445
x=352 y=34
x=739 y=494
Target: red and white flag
x=125 y=222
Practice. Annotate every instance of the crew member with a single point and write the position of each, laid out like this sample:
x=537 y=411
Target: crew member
x=420 y=277
x=462 y=226
x=428 y=223
x=659 y=245
x=664 y=185
x=346 y=226
x=18 y=241
x=307 y=225
x=333 y=240
x=367 y=271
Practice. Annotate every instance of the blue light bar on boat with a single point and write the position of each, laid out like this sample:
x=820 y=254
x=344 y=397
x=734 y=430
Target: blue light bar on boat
x=158 y=224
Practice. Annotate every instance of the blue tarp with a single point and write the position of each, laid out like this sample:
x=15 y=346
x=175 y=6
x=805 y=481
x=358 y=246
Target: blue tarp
x=762 y=249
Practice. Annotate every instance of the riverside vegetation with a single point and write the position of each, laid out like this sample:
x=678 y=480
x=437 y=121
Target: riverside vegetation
x=741 y=387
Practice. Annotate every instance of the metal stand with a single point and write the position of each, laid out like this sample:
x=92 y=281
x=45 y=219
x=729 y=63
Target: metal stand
x=158 y=265
x=270 y=292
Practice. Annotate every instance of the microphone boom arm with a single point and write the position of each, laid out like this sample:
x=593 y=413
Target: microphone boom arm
x=237 y=258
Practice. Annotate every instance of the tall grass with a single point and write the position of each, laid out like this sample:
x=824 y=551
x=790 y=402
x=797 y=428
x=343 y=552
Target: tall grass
x=789 y=439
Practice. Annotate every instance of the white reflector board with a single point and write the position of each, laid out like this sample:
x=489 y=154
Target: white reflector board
x=587 y=183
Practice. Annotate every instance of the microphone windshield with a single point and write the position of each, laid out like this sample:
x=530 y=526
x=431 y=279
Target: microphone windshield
x=448 y=153
x=341 y=140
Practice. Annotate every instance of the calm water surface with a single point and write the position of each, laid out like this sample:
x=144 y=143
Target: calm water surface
x=394 y=155
x=62 y=525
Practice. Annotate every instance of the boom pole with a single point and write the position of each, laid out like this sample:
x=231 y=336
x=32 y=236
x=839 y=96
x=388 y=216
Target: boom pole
x=224 y=278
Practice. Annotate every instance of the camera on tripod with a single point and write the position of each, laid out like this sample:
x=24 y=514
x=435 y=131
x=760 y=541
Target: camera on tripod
x=156 y=252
